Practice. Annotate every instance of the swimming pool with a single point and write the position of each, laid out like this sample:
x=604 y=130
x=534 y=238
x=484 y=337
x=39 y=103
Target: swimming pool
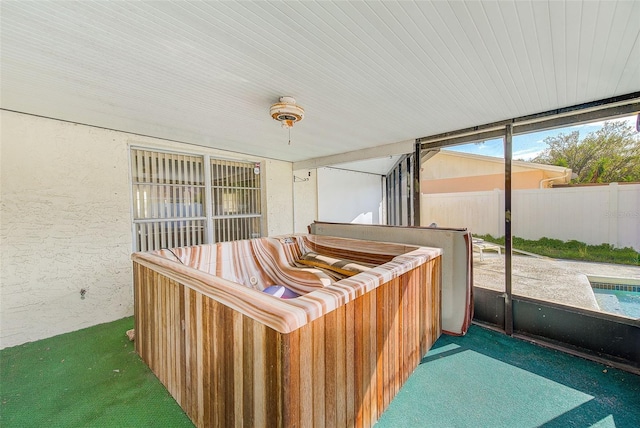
x=619 y=302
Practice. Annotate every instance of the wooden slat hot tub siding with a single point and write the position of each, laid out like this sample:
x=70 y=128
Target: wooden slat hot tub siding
x=343 y=369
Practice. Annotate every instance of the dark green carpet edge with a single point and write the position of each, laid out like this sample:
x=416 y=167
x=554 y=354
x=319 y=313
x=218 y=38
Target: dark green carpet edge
x=87 y=378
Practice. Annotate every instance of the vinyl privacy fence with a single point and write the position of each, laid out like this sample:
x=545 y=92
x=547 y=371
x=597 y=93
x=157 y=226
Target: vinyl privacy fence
x=595 y=215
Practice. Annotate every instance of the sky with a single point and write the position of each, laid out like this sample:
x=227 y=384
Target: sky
x=528 y=146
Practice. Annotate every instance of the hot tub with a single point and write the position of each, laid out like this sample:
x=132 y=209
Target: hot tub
x=233 y=355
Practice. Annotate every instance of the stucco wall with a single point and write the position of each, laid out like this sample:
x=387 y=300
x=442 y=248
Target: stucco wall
x=305 y=196
x=279 y=193
x=65 y=223
x=453 y=164
x=519 y=180
x=448 y=172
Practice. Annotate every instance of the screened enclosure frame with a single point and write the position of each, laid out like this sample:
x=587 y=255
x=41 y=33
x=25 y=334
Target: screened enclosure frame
x=527 y=317
x=399 y=191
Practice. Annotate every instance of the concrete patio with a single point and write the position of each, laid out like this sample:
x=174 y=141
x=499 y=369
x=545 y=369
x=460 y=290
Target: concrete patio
x=553 y=280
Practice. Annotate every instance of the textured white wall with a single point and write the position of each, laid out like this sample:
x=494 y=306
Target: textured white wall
x=279 y=197
x=65 y=223
x=305 y=197
x=64 y=227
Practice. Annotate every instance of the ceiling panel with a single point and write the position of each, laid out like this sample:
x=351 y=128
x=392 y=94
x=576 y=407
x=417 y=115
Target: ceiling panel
x=367 y=73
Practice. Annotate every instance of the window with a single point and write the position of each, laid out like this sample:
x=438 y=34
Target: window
x=235 y=192
x=172 y=199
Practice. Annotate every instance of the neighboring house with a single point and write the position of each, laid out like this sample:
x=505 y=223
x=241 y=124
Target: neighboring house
x=448 y=172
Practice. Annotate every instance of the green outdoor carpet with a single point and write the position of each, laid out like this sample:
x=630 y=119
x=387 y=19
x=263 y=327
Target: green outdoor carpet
x=88 y=378
x=487 y=379
x=93 y=378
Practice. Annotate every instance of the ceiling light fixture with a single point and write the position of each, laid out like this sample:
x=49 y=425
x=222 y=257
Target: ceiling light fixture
x=287 y=112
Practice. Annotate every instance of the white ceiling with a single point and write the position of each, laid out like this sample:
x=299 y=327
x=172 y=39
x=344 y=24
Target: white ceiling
x=367 y=73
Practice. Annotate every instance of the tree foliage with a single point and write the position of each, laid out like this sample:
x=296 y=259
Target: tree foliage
x=610 y=154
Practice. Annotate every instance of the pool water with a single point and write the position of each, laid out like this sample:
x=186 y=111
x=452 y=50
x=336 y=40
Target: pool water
x=625 y=303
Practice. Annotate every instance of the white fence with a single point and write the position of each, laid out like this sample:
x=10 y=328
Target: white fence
x=595 y=215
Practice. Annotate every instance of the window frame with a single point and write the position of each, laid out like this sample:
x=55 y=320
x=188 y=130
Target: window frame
x=208 y=216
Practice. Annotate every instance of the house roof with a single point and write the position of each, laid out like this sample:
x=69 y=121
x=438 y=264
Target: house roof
x=368 y=74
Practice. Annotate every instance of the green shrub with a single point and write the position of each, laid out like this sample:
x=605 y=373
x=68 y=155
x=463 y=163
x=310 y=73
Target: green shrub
x=571 y=250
